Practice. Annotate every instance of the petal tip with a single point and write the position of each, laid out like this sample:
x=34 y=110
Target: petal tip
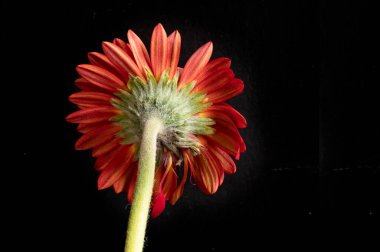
x=159 y=25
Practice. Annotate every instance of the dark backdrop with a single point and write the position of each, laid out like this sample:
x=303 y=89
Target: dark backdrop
x=311 y=170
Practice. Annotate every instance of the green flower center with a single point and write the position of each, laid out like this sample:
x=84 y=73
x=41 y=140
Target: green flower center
x=177 y=110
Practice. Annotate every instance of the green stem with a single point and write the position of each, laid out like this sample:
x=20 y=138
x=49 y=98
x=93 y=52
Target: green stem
x=144 y=187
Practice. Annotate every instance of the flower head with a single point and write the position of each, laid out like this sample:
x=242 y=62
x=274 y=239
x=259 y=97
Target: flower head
x=123 y=87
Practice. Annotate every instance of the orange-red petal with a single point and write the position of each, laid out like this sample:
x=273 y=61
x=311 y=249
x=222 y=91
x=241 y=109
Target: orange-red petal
x=121 y=59
x=117 y=167
x=169 y=182
x=102 y=61
x=159 y=50
x=224 y=160
x=106 y=147
x=229 y=90
x=96 y=137
x=139 y=51
x=131 y=180
x=195 y=64
x=85 y=85
x=206 y=175
x=216 y=82
x=213 y=67
x=92 y=115
x=86 y=127
x=119 y=185
x=228 y=110
x=179 y=190
x=174 y=48
x=90 y=99
x=103 y=161
x=125 y=46
x=226 y=124
x=100 y=77
x=225 y=141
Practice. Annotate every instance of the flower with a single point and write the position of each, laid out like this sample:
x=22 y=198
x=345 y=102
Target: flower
x=121 y=88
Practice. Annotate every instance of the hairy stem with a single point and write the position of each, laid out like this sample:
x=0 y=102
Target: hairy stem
x=144 y=187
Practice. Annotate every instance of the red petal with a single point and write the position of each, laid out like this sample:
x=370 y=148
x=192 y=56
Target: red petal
x=117 y=167
x=103 y=161
x=169 y=182
x=213 y=67
x=228 y=126
x=120 y=184
x=196 y=64
x=96 y=137
x=224 y=160
x=174 y=48
x=139 y=51
x=206 y=175
x=158 y=176
x=102 y=61
x=85 y=85
x=216 y=82
x=87 y=127
x=90 y=98
x=121 y=59
x=100 y=77
x=159 y=50
x=92 y=115
x=125 y=46
x=227 y=109
x=131 y=180
x=179 y=190
x=230 y=90
x=225 y=141
x=158 y=205
x=105 y=148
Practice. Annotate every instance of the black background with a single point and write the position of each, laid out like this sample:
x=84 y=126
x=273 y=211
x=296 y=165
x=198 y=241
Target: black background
x=311 y=170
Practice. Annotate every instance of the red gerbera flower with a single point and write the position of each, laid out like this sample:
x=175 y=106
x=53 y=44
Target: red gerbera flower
x=125 y=85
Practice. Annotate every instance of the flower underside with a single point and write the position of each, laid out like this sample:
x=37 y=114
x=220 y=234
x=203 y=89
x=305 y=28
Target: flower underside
x=127 y=86
x=177 y=109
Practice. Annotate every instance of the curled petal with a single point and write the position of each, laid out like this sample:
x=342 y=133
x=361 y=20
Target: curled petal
x=159 y=50
x=195 y=64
